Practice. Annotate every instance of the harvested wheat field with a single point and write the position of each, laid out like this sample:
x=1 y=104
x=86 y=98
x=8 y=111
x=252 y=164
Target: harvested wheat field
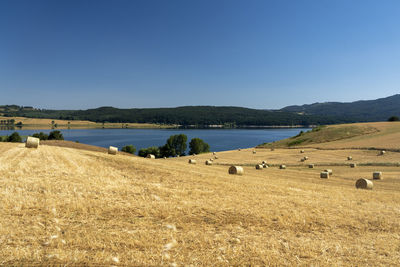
x=71 y=206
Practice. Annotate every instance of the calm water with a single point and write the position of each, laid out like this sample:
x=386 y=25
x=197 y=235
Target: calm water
x=219 y=139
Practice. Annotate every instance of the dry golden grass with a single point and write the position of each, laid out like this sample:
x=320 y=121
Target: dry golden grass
x=67 y=206
x=34 y=123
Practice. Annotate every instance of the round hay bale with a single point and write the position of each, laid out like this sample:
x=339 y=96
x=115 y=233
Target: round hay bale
x=254 y=152
x=192 y=161
x=310 y=166
x=112 y=150
x=364 y=184
x=239 y=149
x=264 y=162
x=305 y=158
x=302 y=151
x=259 y=167
x=214 y=153
x=377 y=175
x=150 y=156
x=324 y=175
x=165 y=157
x=329 y=171
x=353 y=165
x=215 y=157
x=265 y=166
x=302 y=159
x=238 y=170
x=32 y=142
x=282 y=167
x=349 y=158
x=211 y=159
x=208 y=162
x=383 y=152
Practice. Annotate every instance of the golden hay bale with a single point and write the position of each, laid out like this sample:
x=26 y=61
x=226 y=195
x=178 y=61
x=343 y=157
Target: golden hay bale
x=353 y=165
x=265 y=166
x=192 y=161
x=377 y=175
x=211 y=159
x=254 y=152
x=364 y=184
x=264 y=162
x=215 y=157
x=282 y=167
x=329 y=171
x=259 y=167
x=112 y=150
x=208 y=162
x=383 y=152
x=165 y=157
x=305 y=158
x=32 y=142
x=324 y=175
x=301 y=151
x=302 y=159
x=349 y=158
x=150 y=156
x=310 y=166
x=238 y=170
x=239 y=149
x=214 y=153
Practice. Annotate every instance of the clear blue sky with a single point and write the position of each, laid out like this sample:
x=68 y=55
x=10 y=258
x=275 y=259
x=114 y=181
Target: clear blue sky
x=252 y=53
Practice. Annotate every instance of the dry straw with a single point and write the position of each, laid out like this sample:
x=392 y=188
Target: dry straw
x=209 y=162
x=150 y=156
x=329 y=171
x=32 y=142
x=282 y=167
x=377 y=175
x=349 y=158
x=301 y=151
x=383 y=152
x=265 y=166
x=192 y=161
x=364 y=184
x=264 y=162
x=238 y=170
x=112 y=150
x=310 y=166
x=254 y=152
x=353 y=165
x=324 y=175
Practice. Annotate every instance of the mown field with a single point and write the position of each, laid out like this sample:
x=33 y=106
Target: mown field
x=64 y=205
x=35 y=123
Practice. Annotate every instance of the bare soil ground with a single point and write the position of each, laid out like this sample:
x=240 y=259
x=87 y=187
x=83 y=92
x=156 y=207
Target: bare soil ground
x=62 y=205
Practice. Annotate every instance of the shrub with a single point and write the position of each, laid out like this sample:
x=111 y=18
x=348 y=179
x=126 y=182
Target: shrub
x=129 y=149
x=56 y=135
x=394 y=118
x=198 y=146
x=41 y=136
x=150 y=150
x=14 y=137
x=176 y=145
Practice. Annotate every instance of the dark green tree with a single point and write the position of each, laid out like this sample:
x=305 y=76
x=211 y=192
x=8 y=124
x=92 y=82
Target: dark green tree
x=394 y=118
x=175 y=146
x=56 y=135
x=198 y=146
x=15 y=138
x=129 y=149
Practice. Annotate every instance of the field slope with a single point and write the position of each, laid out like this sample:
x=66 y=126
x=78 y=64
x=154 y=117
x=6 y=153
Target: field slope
x=71 y=206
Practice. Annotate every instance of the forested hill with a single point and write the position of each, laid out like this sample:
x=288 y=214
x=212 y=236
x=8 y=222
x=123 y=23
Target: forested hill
x=190 y=115
x=365 y=110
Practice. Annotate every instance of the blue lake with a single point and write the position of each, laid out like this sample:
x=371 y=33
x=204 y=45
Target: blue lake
x=218 y=139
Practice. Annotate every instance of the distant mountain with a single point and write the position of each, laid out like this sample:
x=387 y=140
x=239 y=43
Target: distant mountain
x=364 y=110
